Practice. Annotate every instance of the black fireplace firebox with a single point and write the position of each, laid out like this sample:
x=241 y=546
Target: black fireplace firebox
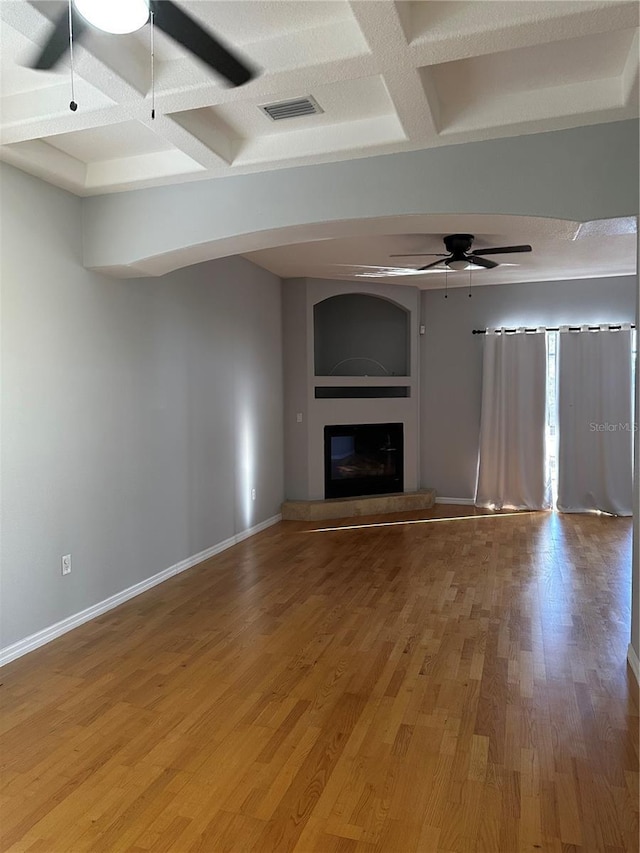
x=363 y=459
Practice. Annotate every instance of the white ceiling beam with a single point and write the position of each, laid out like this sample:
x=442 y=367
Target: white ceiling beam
x=182 y=139
x=382 y=28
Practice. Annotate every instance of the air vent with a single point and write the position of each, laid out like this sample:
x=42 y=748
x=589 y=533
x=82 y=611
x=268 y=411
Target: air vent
x=292 y=109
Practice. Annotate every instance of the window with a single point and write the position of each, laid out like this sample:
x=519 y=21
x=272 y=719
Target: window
x=552 y=406
x=552 y=415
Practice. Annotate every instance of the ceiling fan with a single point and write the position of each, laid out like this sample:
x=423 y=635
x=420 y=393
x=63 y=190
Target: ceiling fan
x=459 y=255
x=127 y=16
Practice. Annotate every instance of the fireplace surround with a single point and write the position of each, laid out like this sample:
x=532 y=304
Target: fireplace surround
x=316 y=398
x=363 y=459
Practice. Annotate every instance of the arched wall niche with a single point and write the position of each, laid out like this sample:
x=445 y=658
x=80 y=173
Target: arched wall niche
x=359 y=334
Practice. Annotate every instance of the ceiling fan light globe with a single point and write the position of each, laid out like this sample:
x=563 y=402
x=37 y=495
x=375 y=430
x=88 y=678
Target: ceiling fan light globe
x=458 y=265
x=114 y=16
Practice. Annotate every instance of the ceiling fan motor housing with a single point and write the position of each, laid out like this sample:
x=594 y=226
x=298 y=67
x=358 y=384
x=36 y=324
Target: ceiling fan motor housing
x=458 y=244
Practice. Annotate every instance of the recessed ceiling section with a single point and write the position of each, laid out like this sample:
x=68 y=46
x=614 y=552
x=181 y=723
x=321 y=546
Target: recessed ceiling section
x=274 y=37
x=48 y=163
x=129 y=139
x=116 y=156
x=174 y=69
x=250 y=22
x=471 y=28
x=140 y=170
x=618 y=227
x=436 y=20
x=335 y=41
x=512 y=87
x=355 y=114
x=359 y=135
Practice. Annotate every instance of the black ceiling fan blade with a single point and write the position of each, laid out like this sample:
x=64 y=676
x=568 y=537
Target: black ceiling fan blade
x=501 y=250
x=422 y=255
x=190 y=34
x=482 y=262
x=58 y=42
x=434 y=264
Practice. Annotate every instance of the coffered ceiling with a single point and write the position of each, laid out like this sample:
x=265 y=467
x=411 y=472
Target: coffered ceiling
x=388 y=77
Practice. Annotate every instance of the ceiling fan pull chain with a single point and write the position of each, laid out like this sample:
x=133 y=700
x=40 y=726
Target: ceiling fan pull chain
x=72 y=105
x=469 y=282
x=446 y=283
x=153 y=79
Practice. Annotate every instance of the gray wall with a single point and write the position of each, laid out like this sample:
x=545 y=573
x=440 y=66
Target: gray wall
x=452 y=359
x=137 y=415
x=297 y=370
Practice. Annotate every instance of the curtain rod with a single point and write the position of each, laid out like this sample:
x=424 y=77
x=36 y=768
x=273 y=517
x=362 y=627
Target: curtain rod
x=612 y=327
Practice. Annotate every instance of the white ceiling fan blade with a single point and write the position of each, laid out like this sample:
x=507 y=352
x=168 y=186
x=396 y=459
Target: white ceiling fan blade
x=369 y=271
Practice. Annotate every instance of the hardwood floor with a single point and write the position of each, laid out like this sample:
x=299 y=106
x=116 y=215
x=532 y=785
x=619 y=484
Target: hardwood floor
x=441 y=684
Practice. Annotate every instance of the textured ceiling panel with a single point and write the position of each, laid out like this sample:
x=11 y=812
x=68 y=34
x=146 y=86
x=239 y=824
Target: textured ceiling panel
x=343 y=102
x=436 y=19
x=253 y=21
x=556 y=65
x=360 y=135
x=557 y=254
x=129 y=139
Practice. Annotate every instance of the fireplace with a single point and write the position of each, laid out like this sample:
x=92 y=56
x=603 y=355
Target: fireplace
x=363 y=459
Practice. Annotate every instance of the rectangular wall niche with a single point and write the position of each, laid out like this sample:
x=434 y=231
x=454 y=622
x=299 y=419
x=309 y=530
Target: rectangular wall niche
x=361 y=392
x=363 y=459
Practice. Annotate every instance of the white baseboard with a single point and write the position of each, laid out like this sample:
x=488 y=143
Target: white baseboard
x=34 y=641
x=257 y=528
x=634 y=662
x=456 y=501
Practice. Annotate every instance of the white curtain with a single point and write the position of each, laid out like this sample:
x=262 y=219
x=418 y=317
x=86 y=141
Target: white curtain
x=512 y=471
x=595 y=428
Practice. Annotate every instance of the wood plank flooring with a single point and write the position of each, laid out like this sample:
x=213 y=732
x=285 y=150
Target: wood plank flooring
x=427 y=683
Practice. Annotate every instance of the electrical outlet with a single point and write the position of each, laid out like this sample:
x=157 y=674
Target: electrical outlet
x=65 y=563
x=253 y=494
x=299 y=417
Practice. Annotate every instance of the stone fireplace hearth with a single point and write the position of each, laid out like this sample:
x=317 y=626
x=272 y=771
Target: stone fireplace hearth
x=354 y=507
